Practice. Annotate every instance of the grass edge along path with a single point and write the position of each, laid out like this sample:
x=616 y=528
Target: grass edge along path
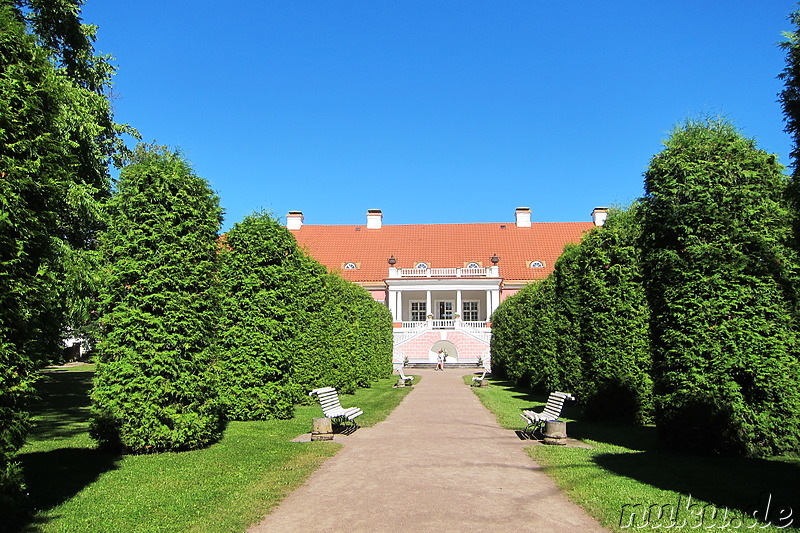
x=225 y=487
x=628 y=483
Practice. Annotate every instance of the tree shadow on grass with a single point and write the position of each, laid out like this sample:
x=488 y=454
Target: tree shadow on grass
x=61 y=408
x=55 y=476
x=747 y=485
x=60 y=412
x=520 y=393
x=641 y=438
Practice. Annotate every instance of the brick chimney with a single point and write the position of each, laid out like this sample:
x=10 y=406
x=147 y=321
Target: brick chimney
x=294 y=220
x=523 y=217
x=374 y=218
x=599 y=215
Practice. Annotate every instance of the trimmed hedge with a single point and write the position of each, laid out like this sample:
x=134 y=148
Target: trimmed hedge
x=614 y=345
x=718 y=280
x=270 y=289
x=584 y=328
x=160 y=310
x=289 y=326
x=534 y=333
x=522 y=344
x=359 y=335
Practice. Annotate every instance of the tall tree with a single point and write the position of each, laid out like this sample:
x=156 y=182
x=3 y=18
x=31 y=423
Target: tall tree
x=790 y=101
x=160 y=310
x=30 y=172
x=613 y=318
x=271 y=290
x=94 y=142
x=718 y=281
x=57 y=137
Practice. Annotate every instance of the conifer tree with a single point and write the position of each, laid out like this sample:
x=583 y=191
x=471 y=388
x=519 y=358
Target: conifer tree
x=289 y=326
x=790 y=96
x=160 y=310
x=614 y=317
x=30 y=171
x=718 y=281
x=523 y=344
x=271 y=291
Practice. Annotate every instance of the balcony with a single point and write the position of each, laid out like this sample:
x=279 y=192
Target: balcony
x=490 y=272
x=444 y=324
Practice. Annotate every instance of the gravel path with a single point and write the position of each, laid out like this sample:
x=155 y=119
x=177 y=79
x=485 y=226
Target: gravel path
x=439 y=462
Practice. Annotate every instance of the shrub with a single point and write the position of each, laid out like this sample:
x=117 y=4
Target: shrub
x=614 y=345
x=289 y=326
x=271 y=289
x=717 y=277
x=160 y=310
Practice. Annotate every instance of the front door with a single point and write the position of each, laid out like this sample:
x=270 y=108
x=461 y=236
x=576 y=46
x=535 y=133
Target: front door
x=445 y=309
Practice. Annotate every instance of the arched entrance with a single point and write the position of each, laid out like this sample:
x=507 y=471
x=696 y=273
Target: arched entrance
x=447 y=346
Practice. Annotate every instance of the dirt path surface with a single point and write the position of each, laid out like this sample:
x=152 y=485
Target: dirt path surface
x=439 y=462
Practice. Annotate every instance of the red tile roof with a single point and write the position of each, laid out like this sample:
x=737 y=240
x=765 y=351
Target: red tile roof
x=440 y=246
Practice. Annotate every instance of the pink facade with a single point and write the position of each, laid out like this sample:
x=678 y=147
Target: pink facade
x=460 y=347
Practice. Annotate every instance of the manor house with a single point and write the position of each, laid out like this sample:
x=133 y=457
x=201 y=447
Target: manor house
x=442 y=282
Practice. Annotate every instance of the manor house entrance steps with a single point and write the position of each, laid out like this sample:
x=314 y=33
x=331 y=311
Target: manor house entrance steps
x=438 y=463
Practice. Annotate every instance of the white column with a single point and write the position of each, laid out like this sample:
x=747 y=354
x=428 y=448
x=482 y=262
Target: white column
x=458 y=303
x=495 y=299
x=391 y=303
x=399 y=306
x=428 y=306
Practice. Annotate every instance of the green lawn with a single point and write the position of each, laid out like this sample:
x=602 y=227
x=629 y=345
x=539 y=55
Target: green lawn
x=225 y=487
x=625 y=467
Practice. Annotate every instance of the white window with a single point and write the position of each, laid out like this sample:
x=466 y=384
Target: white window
x=470 y=311
x=473 y=265
x=418 y=311
x=350 y=266
x=537 y=264
x=421 y=265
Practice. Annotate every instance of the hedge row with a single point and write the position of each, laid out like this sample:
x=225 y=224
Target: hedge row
x=289 y=326
x=159 y=310
x=584 y=328
x=195 y=331
x=682 y=308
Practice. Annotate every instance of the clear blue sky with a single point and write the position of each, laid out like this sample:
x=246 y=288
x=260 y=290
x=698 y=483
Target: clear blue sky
x=437 y=111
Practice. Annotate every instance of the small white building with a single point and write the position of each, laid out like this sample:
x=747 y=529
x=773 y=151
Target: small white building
x=442 y=282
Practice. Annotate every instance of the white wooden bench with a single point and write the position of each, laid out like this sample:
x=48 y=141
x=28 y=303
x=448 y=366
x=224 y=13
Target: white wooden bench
x=332 y=408
x=476 y=380
x=403 y=376
x=552 y=410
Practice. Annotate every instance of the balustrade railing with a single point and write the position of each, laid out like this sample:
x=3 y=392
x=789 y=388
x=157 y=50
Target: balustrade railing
x=443 y=272
x=442 y=324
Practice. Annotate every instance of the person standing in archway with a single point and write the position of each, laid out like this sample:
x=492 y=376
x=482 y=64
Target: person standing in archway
x=440 y=357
